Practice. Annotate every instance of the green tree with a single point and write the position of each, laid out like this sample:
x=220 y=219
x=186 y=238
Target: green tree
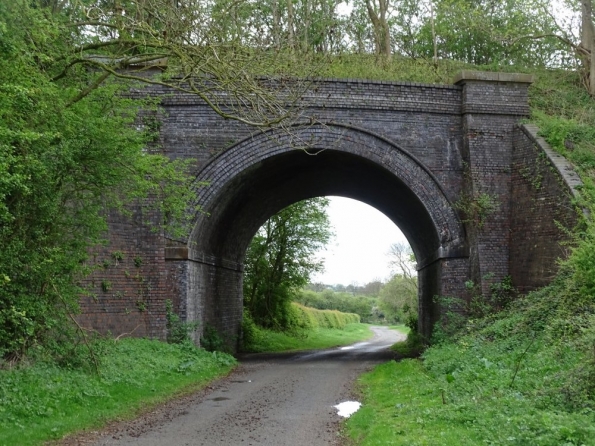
x=484 y=32
x=64 y=165
x=398 y=298
x=372 y=288
x=281 y=259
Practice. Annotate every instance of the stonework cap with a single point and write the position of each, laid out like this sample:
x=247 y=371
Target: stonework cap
x=492 y=76
x=176 y=253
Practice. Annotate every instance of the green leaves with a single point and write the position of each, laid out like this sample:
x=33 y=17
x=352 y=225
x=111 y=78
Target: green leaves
x=63 y=167
x=281 y=258
x=398 y=298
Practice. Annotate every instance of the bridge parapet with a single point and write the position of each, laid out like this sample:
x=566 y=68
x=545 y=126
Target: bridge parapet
x=543 y=208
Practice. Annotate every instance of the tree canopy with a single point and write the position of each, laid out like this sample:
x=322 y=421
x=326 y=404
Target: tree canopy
x=63 y=165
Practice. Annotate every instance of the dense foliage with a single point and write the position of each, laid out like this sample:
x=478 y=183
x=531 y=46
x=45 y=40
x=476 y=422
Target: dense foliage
x=398 y=299
x=64 y=165
x=281 y=258
x=525 y=375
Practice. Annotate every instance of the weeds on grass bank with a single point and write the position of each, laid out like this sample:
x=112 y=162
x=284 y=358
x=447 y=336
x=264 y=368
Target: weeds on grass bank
x=43 y=401
x=523 y=376
x=413 y=346
x=178 y=332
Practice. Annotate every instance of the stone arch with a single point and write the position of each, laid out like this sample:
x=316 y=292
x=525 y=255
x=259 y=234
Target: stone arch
x=259 y=176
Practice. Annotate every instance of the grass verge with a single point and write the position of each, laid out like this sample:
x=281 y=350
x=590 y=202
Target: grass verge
x=401 y=328
x=523 y=376
x=42 y=402
x=319 y=338
x=399 y=405
x=403 y=404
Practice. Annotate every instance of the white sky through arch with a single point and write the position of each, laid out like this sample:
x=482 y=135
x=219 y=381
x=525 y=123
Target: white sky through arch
x=358 y=252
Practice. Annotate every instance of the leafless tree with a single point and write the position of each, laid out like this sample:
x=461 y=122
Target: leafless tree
x=402 y=260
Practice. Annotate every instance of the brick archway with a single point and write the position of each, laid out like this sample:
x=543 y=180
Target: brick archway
x=261 y=175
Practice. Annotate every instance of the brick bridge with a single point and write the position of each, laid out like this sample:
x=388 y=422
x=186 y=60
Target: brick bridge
x=421 y=154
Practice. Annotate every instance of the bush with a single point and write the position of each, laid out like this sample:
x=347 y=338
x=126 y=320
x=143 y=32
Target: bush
x=251 y=334
x=414 y=345
x=178 y=332
x=212 y=341
x=340 y=301
x=309 y=318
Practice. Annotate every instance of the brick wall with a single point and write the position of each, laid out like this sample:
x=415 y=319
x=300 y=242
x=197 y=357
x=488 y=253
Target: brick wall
x=413 y=151
x=542 y=209
x=130 y=282
x=492 y=105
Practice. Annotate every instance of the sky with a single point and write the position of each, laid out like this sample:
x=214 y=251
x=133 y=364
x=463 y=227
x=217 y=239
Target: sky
x=358 y=252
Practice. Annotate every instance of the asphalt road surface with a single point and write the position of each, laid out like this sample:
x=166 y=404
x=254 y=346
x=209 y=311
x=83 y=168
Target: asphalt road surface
x=276 y=400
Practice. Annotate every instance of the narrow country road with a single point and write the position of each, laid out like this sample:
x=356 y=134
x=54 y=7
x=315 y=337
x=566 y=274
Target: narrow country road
x=276 y=400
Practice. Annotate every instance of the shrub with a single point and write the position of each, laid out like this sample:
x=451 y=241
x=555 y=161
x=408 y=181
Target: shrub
x=212 y=341
x=414 y=345
x=309 y=318
x=178 y=332
x=251 y=334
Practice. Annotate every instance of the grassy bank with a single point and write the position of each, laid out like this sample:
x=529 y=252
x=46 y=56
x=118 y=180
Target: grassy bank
x=406 y=404
x=318 y=338
x=400 y=402
x=42 y=401
x=525 y=376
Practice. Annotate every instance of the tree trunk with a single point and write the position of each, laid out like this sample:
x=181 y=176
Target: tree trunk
x=276 y=24
x=588 y=41
x=378 y=16
x=434 y=43
x=290 y=27
x=306 y=25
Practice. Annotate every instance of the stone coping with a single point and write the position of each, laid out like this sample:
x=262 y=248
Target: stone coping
x=561 y=164
x=492 y=76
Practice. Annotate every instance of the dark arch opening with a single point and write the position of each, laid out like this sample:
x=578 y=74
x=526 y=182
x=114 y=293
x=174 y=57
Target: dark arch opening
x=263 y=190
x=257 y=178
